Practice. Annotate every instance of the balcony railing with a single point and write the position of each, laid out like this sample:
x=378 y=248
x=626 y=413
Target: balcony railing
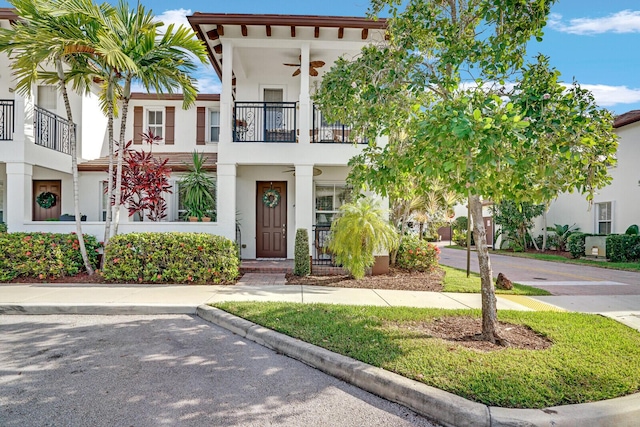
x=7 y=119
x=332 y=132
x=264 y=122
x=52 y=131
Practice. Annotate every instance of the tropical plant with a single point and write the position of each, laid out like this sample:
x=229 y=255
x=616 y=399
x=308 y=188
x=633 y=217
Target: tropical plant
x=145 y=180
x=360 y=230
x=440 y=78
x=418 y=255
x=198 y=189
x=516 y=221
x=562 y=233
x=302 y=264
x=632 y=230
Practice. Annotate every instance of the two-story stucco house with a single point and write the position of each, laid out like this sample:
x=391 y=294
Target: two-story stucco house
x=262 y=135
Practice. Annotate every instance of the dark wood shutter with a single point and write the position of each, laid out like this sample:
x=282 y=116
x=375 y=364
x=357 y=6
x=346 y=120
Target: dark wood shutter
x=137 y=124
x=170 y=126
x=201 y=125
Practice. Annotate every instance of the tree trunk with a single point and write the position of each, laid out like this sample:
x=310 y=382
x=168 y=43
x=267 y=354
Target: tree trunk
x=126 y=95
x=544 y=228
x=109 y=207
x=74 y=168
x=489 y=310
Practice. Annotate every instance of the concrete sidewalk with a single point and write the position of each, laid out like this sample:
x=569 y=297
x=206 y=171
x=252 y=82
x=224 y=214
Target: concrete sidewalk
x=158 y=299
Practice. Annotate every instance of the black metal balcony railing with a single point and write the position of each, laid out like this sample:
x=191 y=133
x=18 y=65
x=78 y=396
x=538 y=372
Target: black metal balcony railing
x=321 y=254
x=7 y=119
x=332 y=132
x=52 y=131
x=264 y=122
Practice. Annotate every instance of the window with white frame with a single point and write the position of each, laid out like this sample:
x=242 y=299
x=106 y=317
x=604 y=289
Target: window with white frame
x=155 y=121
x=1 y=201
x=604 y=217
x=214 y=126
x=329 y=198
x=48 y=97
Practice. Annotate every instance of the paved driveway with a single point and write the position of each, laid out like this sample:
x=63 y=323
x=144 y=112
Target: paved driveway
x=172 y=370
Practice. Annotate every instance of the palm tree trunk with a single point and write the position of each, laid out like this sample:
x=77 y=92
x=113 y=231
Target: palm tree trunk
x=109 y=207
x=121 y=144
x=74 y=168
x=489 y=310
x=544 y=227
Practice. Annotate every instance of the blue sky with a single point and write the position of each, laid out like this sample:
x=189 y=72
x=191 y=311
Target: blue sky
x=593 y=41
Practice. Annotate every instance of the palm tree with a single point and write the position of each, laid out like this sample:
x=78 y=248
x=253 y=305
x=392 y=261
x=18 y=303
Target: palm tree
x=359 y=230
x=43 y=37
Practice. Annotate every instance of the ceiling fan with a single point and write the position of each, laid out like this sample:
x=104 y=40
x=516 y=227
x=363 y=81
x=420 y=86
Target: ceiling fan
x=312 y=67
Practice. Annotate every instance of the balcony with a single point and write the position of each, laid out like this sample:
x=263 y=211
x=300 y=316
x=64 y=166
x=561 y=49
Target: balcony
x=52 y=131
x=264 y=122
x=337 y=133
x=7 y=119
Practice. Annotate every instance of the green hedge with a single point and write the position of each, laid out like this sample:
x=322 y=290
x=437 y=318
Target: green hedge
x=171 y=258
x=623 y=247
x=43 y=255
x=302 y=264
x=575 y=243
x=417 y=255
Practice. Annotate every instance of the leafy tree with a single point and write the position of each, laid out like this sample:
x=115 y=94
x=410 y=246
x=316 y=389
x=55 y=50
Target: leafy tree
x=515 y=221
x=441 y=77
x=359 y=230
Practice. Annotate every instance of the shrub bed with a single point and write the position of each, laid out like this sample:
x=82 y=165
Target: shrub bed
x=171 y=257
x=623 y=247
x=417 y=255
x=43 y=255
x=575 y=243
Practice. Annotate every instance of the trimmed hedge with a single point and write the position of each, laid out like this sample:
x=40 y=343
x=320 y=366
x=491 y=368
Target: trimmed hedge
x=43 y=255
x=417 y=255
x=575 y=243
x=302 y=264
x=171 y=258
x=623 y=247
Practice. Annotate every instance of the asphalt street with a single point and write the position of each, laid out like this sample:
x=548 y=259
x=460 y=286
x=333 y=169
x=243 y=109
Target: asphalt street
x=169 y=370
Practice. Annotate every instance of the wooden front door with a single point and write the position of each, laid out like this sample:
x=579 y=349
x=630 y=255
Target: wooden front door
x=40 y=213
x=488 y=225
x=271 y=220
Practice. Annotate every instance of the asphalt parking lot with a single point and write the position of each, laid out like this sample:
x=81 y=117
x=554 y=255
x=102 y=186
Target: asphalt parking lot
x=169 y=370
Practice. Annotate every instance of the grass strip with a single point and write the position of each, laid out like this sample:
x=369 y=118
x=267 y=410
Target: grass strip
x=625 y=266
x=593 y=358
x=456 y=280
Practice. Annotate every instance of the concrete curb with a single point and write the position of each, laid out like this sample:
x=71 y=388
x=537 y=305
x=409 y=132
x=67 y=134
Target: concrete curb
x=102 y=309
x=441 y=406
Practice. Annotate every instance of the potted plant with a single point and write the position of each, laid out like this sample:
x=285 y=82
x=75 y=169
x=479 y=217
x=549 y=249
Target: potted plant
x=198 y=188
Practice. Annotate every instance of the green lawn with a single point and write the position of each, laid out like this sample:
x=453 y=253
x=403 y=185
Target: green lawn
x=628 y=266
x=592 y=358
x=457 y=281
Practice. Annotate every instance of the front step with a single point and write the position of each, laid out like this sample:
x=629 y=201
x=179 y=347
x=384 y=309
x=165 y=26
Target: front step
x=266 y=266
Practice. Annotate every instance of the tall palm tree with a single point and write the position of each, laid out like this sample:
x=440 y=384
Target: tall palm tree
x=41 y=40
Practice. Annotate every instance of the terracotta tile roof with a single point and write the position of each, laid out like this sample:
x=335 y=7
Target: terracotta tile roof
x=627 y=118
x=178 y=162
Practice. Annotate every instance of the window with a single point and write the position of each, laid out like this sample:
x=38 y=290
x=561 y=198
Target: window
x=155 y=122
x=1 y=201
x=604 y=218
x=214 y=126
x=48 y=97
x=329 y=198
x=104 y=204
x=180 y=212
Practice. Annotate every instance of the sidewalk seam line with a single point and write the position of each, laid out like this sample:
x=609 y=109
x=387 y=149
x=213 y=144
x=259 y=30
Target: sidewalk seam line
x=381 y=297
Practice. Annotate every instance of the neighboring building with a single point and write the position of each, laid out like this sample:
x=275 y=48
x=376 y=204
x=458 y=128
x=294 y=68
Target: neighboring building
x=262 y=133
x=615 y=207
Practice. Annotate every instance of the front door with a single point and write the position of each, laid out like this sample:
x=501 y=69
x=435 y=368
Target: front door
x=44 y=213
x=271 y=219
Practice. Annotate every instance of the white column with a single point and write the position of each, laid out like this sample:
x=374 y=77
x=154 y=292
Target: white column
x=305 y=100
x=19 y=195
x=226 y=97
x=304 y=199
x=226 y=200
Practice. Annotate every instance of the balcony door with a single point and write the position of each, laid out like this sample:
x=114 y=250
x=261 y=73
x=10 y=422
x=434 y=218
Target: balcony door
x=273 y=113
x=271 y=219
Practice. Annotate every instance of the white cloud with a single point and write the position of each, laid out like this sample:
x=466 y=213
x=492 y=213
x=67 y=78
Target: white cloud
x=626 y=21
x=607 y=96
x=175 y=16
